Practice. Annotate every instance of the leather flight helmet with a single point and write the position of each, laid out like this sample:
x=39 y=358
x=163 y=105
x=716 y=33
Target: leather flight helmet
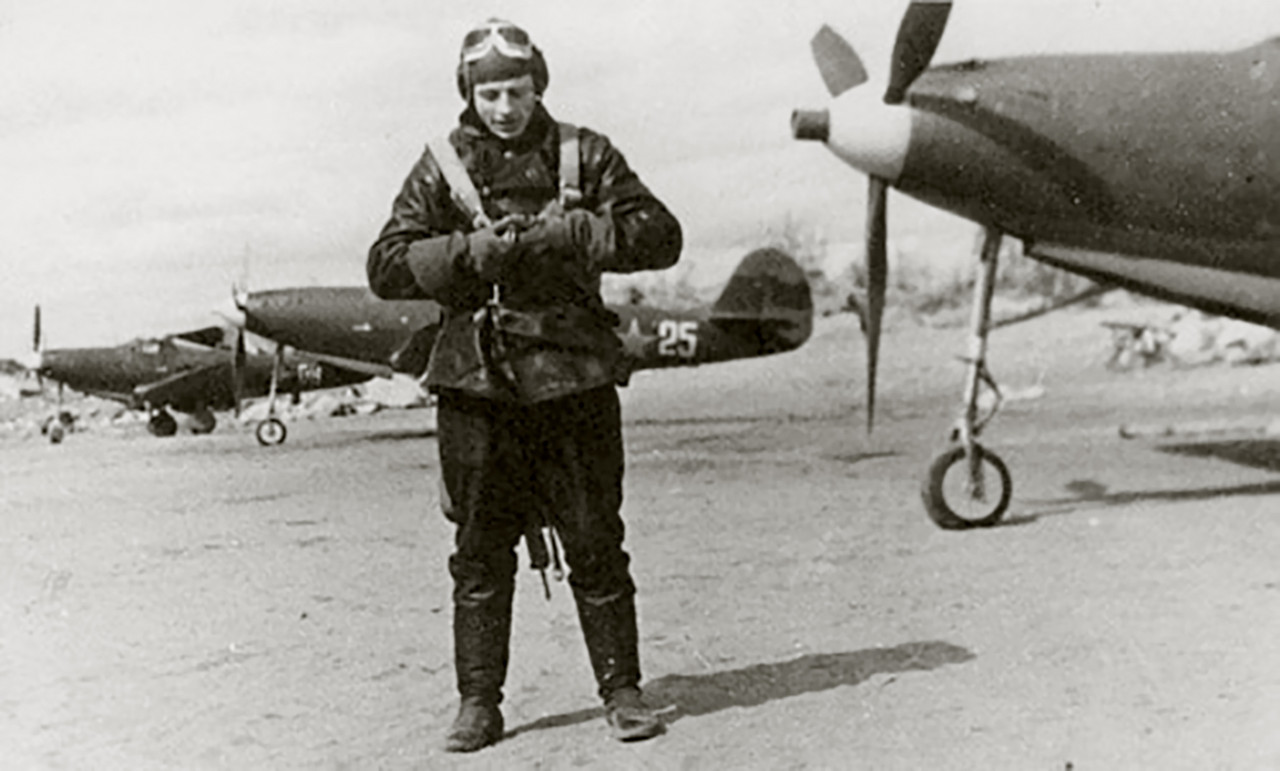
x=499 y=50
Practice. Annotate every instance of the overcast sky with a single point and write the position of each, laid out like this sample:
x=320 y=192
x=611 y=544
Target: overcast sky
x=151 y=153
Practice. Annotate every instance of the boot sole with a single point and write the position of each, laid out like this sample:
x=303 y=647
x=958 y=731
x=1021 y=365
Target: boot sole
x=637 y=733
x=452 y=744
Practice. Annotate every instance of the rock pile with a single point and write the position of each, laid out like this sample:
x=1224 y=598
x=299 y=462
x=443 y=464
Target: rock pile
x=1189 y=338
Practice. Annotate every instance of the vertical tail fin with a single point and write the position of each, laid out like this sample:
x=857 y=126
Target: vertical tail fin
x=768 y=293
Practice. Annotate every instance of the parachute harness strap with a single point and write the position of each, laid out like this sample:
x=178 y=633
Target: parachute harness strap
x=463 y=193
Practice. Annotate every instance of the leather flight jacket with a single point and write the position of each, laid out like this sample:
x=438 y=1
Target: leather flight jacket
x=545 y=333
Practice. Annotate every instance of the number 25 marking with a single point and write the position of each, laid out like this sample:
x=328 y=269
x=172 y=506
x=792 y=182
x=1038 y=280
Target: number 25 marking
x=677 y=338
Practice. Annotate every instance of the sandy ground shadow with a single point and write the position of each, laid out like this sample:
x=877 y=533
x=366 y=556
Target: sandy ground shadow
x=688 y=695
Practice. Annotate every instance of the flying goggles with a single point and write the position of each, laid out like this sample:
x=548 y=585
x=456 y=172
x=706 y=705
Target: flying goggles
x=508 y=39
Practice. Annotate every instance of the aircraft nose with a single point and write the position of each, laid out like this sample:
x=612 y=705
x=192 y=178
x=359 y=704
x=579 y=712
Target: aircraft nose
x=861 y=130
x=50 y=364
x=232 y=312
x=34 y=361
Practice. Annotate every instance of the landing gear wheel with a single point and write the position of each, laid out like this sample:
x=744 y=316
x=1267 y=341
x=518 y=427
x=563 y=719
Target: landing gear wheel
x=203 y=422
x=162 y=424
x=270 y=432
x=948 y=499
x=56 y=433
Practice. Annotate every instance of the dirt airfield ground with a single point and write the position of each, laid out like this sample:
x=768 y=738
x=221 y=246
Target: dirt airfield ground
x=204 y=603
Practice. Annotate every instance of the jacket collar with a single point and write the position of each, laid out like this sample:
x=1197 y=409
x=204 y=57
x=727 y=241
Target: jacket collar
x=535 y=134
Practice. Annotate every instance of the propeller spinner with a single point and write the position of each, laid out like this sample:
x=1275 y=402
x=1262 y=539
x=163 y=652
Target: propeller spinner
x=873 y=135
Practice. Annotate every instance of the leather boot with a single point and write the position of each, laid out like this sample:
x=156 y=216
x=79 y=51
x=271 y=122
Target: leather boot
x=629 y=719
x=481 y=642
x=609 y=627
x=478 y=724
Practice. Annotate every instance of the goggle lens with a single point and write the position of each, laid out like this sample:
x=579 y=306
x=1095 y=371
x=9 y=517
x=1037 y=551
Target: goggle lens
x=510 y=41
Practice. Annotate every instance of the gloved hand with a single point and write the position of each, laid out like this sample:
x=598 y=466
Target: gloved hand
x=491 y=250
x=576 y=235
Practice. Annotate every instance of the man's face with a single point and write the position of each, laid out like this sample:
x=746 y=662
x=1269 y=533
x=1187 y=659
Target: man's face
x=505 y=106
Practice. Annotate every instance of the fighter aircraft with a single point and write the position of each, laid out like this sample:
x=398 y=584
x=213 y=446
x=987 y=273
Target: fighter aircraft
x=765 y=308
x=193 y=372
x=1159 y=173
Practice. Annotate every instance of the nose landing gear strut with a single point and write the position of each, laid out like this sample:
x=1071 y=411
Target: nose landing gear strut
x=957 y=489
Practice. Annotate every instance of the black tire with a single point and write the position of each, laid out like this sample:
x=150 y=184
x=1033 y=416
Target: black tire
x=203 y=423
x=934 y=490
x=271 y=432
x=162 y=424
x=56 y=433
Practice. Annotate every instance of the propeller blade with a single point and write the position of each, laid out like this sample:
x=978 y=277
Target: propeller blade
x=918 y=37
x=877 y=280
x=838 y=63
x=237 y=371
x=34 y=361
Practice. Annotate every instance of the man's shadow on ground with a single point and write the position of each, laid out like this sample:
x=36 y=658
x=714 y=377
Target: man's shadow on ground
x=680 y=695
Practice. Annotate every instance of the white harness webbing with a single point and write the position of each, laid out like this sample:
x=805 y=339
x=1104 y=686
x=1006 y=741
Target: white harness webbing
x=464 y=194
x=463 y=190
x=570 y=167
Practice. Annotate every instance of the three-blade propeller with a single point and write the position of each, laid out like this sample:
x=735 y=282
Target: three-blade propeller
x=919 y=33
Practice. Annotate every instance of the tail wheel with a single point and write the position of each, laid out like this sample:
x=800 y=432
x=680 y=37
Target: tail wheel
x=953 y=502
x=271 y=432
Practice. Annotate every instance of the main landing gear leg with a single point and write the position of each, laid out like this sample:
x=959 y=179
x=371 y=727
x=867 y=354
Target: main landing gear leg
x=56 y=427
x=272 y=431
x=962 y=499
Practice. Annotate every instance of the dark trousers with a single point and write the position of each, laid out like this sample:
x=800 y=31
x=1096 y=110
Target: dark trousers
x=503 y=463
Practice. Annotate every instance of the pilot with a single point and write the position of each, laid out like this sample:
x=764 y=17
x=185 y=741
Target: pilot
x=525 y=366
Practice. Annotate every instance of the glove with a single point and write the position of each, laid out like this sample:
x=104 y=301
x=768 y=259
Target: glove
x=491 y=250
x=550 y=235
x=577 y=236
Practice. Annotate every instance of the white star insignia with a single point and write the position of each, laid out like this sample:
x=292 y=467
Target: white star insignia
x=634 y=342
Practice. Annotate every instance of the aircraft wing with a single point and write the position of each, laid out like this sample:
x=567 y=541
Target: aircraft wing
x=187 y=385
x=354 y=365
x=209 y=337
x=114 y=396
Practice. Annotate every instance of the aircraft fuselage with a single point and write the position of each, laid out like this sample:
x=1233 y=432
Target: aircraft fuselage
x=1154 y=157
x=1159 y=172
x=127 y=372
x=765 y=308
x=345 y=321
